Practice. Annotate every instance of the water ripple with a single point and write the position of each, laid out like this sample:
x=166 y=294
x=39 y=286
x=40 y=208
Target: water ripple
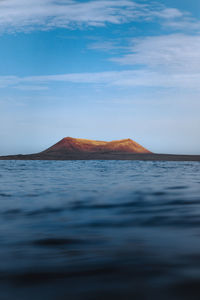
x=99 y=230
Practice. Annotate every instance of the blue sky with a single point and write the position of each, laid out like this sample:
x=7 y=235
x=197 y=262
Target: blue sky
x=104 y=69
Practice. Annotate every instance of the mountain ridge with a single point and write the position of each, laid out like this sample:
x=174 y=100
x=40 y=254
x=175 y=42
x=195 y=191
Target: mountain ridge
x=69 y=144
x=84 y=149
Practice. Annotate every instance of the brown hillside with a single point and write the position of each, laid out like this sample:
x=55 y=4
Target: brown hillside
x=73 y=145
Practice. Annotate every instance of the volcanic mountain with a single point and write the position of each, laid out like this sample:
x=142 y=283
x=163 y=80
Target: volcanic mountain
x=82 y=149
x=78 y=146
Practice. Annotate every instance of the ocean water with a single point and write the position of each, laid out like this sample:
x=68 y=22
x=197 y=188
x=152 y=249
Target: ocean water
x=99 y=230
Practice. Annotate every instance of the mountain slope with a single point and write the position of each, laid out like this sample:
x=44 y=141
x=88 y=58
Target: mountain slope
x=82 y=149
x=73 y=145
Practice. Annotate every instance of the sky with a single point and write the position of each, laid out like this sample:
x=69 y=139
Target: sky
x=100 y=69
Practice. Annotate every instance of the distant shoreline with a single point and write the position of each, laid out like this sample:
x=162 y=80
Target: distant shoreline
x=104 y=156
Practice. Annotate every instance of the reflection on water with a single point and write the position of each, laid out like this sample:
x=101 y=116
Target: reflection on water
x=99 y=230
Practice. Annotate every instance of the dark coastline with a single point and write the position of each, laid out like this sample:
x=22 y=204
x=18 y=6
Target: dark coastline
x=103 y=156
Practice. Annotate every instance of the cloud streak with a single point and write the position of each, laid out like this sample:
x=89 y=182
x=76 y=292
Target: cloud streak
x=175 y=53
x=22 y=15
x=131 y=79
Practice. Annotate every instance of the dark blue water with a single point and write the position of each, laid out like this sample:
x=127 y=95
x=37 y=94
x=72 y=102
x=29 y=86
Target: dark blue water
x=99 y=230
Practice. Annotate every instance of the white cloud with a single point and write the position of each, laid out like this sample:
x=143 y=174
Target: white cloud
x=176 y=53
x=8 y=80
x=126 y=78
x=137 y=78
x=105 y=46
x=23 y=15
x=169 y=13
x=186 y=24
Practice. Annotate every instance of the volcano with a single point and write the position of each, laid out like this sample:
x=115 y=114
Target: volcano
x=82 y=149
x=70 y=145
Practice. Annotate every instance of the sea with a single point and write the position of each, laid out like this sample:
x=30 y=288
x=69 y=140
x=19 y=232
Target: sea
x=92 y=230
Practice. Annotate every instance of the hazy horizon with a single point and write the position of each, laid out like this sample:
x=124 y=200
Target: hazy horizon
x=102 y=70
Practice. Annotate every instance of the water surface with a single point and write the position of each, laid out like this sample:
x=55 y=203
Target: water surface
x=99 y=230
